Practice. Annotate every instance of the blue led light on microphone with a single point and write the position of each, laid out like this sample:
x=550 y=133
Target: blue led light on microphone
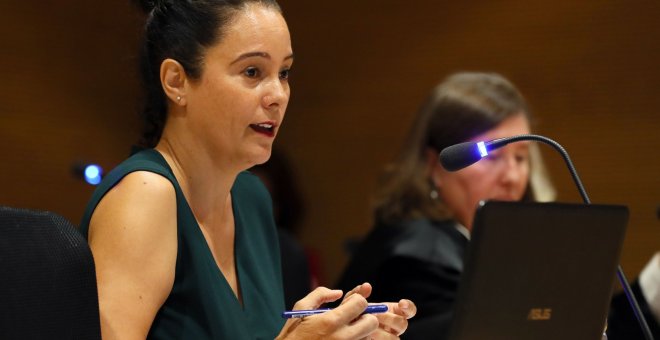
x=482 y=149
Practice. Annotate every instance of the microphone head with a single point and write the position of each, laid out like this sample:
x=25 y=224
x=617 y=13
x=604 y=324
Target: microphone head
x=459 y=156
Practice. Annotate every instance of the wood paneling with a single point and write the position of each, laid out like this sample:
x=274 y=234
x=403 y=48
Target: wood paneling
x=67 y=95
x=589 y=70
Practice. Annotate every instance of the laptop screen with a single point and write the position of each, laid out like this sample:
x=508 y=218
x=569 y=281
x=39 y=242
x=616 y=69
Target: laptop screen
x=539 y=271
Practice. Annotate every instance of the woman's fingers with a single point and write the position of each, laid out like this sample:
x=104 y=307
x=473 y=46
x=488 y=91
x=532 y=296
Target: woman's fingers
x=349 y=321
x=362 y=327
x=392 y=323
x=363 y=289
x=381 y=334
x=406 y=308
x=355 y=290
x=318 y=297
x=343 y=322
x=395 y=320
x=351 y=308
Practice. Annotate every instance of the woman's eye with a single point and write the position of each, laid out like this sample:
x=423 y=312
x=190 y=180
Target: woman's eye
x=492 y=157
x=284 y=74
x=252 y=72
x=521 y=158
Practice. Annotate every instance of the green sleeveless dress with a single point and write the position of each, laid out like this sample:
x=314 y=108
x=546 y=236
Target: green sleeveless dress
x=202 y=305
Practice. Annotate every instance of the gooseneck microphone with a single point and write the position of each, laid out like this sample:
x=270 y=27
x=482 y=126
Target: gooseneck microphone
x=459 y=156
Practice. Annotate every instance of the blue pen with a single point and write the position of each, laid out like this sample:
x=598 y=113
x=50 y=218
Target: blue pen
x=371 y=309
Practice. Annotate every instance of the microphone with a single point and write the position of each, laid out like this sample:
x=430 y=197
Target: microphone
x=459 y=156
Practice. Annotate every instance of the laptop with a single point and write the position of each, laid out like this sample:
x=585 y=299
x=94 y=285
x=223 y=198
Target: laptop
x=539 y=271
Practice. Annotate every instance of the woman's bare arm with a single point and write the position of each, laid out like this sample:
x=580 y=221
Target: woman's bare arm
x=133 y=237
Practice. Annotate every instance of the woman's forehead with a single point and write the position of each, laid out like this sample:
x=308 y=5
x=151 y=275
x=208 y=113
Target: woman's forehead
x=255 y=25
x=514 y=125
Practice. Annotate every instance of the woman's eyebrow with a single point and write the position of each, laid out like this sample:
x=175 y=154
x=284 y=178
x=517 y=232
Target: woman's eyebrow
x=257 y=54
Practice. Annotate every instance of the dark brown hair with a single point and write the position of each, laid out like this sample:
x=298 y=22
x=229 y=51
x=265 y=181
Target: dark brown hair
x=181 y=30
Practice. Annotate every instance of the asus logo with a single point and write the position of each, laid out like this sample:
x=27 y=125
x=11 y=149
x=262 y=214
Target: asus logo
x=539 y=314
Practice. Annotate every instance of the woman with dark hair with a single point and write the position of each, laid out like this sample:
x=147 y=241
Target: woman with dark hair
x=424 y=213
x=183 y=238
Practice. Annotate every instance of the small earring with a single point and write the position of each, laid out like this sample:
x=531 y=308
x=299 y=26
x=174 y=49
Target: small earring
x=434 y=190
x=178 y=98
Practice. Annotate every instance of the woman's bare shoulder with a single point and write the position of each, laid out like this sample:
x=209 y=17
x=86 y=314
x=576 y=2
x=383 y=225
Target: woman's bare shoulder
x=142 y=202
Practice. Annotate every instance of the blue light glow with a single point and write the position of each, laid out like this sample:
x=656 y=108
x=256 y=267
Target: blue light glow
x=482 y=149
x=93 y=174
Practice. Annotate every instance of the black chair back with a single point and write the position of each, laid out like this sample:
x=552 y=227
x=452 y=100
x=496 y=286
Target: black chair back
x=47 y=278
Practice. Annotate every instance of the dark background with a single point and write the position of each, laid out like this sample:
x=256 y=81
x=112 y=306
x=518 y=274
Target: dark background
x=69 y=93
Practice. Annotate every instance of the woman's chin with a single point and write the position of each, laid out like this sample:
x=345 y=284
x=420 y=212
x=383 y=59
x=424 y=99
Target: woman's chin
x=260 y=157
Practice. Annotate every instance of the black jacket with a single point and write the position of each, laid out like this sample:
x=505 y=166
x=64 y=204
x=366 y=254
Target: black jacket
x=420 y=260
x=621 y=321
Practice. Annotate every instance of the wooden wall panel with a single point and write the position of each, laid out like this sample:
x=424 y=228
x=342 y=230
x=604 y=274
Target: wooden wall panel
x=588 y=68
x=68 y=94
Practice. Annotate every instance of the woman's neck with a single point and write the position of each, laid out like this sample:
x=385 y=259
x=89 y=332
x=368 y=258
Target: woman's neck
x=205 y=181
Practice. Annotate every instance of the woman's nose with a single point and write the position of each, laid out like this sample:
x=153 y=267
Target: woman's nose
x=276 y=94
x=512 y=170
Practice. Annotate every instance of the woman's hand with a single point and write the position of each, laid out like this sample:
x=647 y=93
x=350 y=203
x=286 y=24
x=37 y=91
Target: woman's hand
x=344 y=322
x=392 y=323
x=395 y=321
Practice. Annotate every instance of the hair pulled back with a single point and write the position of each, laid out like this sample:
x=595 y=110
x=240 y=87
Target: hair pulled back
x=181 y=30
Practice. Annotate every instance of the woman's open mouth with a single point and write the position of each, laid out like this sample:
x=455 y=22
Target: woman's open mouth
x=267 y=129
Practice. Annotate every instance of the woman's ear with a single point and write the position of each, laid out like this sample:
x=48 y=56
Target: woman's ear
x=432 y=159
x=173 y=79
x=433 y=167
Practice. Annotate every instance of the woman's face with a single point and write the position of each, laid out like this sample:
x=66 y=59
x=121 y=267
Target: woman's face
x=238 y=105
x=502 y=175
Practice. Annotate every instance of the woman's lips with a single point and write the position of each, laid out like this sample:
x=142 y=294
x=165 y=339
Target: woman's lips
x=504 y=198
x=267 y=129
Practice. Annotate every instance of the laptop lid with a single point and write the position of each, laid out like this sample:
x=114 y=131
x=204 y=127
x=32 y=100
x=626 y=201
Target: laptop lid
x=539 y=271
